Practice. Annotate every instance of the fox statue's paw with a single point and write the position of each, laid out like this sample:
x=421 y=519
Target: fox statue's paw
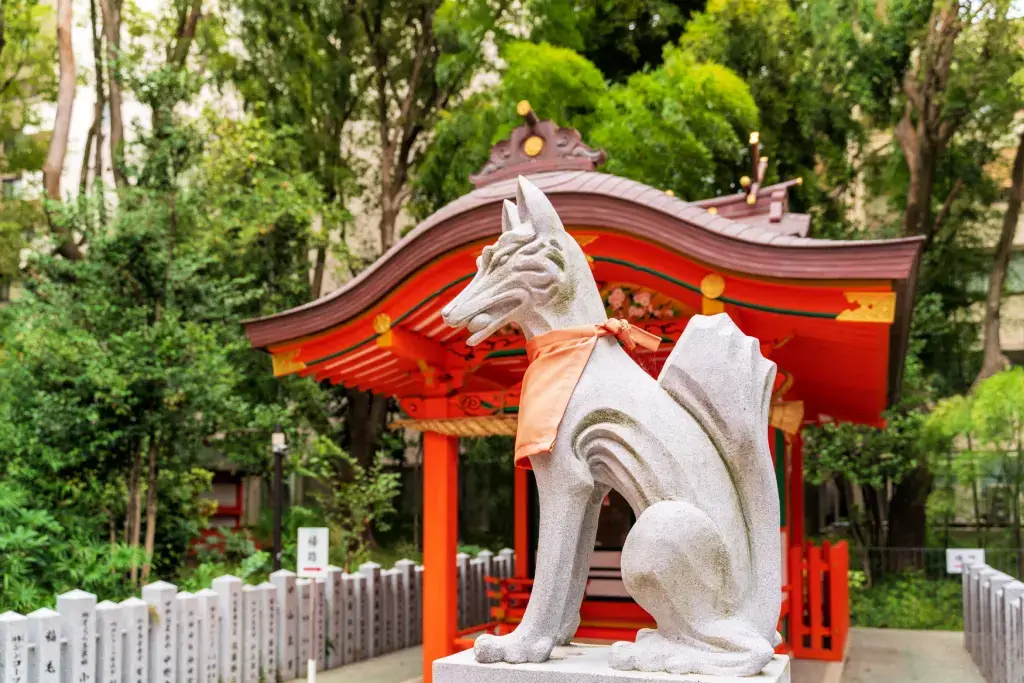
x=513 y=648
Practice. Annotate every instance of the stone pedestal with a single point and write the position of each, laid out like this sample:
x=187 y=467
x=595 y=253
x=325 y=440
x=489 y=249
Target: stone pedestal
x=582 y=664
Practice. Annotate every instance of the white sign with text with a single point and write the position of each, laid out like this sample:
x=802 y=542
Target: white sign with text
x=312 y=555
x=956 y=558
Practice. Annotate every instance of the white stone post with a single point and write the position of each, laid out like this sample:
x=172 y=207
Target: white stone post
x=409 y=608
x=209 y=646
x=288 y=624
x=268 y=635
x=372 y=607
x=250 y=635
x=44 y=631
x=419 y=604
x=335 y=611
x=229 y=589
x=135 y=613
x=462 y=563
x=109 y=654
x=401 y=611
x=351 y=618
x=189 y=670
x=13 y=647
x=163 y=636
x=78 y=625
x=320 y=623
x=303 y=588
x=387 y=612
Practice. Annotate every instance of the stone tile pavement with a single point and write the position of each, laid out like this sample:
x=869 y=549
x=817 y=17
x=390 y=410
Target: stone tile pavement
x=897 y=656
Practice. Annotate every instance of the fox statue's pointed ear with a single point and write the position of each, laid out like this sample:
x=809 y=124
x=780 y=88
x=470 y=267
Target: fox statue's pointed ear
x=509 y=220
x=535 y=208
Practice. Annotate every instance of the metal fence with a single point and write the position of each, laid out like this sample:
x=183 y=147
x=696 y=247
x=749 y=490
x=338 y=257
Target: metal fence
x=929 y=562
x=232 y=632
x=994 y=623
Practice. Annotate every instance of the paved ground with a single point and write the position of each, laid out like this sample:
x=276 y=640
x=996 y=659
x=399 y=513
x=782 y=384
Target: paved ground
x=874 y=656
x=398 y=667
x=895 y=656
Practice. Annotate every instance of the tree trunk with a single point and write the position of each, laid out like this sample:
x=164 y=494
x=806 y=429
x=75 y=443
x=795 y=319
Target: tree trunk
x=150 y=509
x=111 y=10
x=364 y=422
x=993 y=359
x=317 y=286
x=54 y=164
x=96 y=130
x=132 y=517
x=907 y=519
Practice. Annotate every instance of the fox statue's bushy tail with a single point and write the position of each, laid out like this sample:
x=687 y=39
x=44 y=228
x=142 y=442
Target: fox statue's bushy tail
x=719 y=376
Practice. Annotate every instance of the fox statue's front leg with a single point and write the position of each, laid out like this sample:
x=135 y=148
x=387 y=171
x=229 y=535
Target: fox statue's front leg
x=565 y=487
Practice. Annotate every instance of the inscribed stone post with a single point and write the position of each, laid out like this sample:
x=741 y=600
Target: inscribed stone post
x=288 y=624
x=109 y=654
x=462 y=563
x=163 y=650
x=269 y=627
x=486 y=558
x=476 y=604
x=13 y=647
x=352 y=643
x=303 y=590
x=508 y=562
x=135 y=613
x=250 y=635
x=209 y=646
x=1011 y=593
x=386 y=614
x=419 y=604
x=319 y=623
x=371 y=607
x=401 y=603
x=188 y=637
x=78 y=626
x=43 y=630
x=229 y=589
x=410 y=604
x=335 y=609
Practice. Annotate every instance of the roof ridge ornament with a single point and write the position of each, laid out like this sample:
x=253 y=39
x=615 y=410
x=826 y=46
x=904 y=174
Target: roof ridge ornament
x=537 y=146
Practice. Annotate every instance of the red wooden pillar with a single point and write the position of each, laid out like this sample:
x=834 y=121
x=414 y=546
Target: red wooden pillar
x=796 y=491
x=521 y=528
x=440 y=544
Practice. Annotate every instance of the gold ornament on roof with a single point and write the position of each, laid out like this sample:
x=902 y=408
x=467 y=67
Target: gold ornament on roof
x=533 y=145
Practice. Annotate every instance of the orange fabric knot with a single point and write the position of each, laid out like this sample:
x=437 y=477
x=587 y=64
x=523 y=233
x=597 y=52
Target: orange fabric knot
x=557 y=360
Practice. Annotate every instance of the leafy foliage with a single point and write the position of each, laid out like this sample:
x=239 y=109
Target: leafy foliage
x=908 y=600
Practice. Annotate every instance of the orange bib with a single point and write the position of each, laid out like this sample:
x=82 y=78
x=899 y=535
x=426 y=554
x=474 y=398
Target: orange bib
x=557 y=359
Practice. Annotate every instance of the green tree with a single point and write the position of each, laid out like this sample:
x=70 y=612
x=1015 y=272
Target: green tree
x=621 y=37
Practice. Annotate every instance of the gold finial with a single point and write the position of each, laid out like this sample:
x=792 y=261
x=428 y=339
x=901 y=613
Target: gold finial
x=670 y=193
x=533 y=145
x=382 y=323
x=800 y=180
x=713 y=210
x=712 y=285
x=523 y=108
x=745 y=182
x=755 y=137
x=751 y=199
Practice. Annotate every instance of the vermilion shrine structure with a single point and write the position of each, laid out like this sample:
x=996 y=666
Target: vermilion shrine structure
x=833 y=315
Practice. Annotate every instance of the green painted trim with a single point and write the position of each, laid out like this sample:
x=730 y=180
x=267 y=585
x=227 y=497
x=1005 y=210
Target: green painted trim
x=397 y=320
x=780 y=472
x=506 y=353
x=728 y=300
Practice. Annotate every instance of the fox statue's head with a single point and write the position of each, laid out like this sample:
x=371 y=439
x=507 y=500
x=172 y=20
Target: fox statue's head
x=535 y=275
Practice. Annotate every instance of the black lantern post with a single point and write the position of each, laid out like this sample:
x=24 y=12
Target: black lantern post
x=280 y=447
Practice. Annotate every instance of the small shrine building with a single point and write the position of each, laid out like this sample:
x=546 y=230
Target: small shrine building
x=833 y=315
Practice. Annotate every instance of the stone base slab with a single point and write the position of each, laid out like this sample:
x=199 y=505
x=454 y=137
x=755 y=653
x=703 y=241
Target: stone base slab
x=583 y=664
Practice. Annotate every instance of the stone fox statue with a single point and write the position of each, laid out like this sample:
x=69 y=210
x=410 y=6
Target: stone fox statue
x=689 y=452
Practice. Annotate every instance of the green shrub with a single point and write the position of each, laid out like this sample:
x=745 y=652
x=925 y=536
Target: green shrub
x=906 y=600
